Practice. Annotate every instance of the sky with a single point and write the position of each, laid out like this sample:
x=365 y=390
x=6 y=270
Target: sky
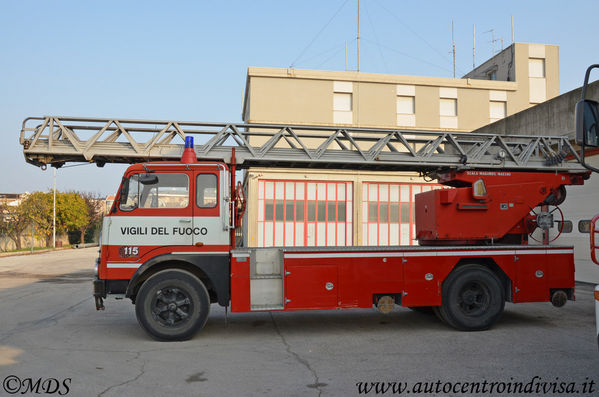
x=188 y=60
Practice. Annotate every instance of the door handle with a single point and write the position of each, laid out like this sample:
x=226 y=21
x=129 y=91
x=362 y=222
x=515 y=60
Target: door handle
x=184 y=220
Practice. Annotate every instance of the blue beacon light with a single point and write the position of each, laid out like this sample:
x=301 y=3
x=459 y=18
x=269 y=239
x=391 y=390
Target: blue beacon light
x=188 y=142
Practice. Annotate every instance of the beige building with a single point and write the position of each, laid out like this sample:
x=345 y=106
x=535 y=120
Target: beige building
x=323 y=208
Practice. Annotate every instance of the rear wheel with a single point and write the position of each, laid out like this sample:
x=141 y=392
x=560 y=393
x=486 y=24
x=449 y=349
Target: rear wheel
x=172 y=305
x=473 y=298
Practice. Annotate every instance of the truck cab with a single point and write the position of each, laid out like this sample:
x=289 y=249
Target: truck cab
x=170 y=219
x=169 y=204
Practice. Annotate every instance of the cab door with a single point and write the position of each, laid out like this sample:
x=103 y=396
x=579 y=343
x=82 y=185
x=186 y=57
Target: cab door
x=211 y=207
x=152 y=210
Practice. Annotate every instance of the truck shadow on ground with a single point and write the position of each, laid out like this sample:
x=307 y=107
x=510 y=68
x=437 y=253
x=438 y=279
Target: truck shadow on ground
x=358 y=320
x=82 y=276
x=326 y=322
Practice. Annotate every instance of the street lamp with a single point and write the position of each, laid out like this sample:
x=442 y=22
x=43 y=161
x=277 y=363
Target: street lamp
x=54 y=212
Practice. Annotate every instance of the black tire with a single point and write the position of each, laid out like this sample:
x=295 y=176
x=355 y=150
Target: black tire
x=437 y=312
x=172 y=305
x=473 y=298
x=428 y=310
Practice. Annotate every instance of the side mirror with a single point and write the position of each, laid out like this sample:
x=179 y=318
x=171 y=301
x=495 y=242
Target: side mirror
x=124 y=188
x=587 y=123
x=587 y=119
x=148 y=179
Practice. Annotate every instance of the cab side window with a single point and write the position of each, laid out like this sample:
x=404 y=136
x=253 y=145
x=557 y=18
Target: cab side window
x=207 y=192
x=171 y=191
x=168 y=190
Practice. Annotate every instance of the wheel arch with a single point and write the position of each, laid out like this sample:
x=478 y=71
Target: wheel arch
x=490 y=264
x=210 y=270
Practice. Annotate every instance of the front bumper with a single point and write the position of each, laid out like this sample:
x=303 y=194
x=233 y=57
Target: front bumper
x=99 y=293
x=99 y=287
x=103 y=288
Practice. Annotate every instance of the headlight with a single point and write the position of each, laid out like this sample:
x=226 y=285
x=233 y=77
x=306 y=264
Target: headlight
x=96 y=267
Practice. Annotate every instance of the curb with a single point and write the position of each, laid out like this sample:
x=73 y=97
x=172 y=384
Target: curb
x=21 y=253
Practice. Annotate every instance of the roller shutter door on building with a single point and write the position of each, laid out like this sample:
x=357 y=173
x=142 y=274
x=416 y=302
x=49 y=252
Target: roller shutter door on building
x=388 y=212
x=299 y=213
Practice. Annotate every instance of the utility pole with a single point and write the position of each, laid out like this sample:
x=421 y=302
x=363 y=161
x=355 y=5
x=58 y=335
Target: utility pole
x=358 y=37
x=54 y=212
x=32 y=235
x=473 y=46
x=512 y=29
x=453 y=47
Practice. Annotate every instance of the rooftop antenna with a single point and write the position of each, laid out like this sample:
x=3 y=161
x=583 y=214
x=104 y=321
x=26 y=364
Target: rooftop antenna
x=358 y=37
x=453 y=47
x=512 y=29
x=473 y=46
x=492 y=31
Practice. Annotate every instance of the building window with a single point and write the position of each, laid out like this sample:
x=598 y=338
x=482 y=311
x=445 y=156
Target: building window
x=406 y=105
x=497 y=110
x=299 y=213
x=206 y=191
x=492 y=75
x=536 y=79
x=405 y=111
x=536 y=67
x=448 y=107
x=388 y=212
x=342 y=102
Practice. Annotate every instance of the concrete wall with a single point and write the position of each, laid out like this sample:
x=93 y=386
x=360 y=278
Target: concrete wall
x=6 y=244
x=502 y=64
x=554 y=117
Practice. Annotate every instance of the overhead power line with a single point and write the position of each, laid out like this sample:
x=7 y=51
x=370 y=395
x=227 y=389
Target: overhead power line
x=318 y=34
x=417 y=35
x=444 y=68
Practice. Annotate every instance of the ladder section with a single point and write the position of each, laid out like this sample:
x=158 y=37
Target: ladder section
x=59 y=140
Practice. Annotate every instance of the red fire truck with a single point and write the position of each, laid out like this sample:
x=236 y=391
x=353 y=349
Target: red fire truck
x=172 y=240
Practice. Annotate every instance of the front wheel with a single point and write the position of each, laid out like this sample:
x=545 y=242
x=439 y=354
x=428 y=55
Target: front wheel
x=473 y=298
x=172 y=305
